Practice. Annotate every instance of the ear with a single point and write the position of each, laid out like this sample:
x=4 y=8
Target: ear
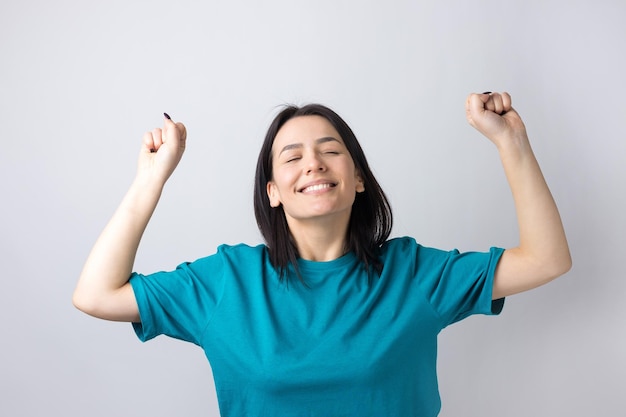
x=360 y=185
x=272 y=194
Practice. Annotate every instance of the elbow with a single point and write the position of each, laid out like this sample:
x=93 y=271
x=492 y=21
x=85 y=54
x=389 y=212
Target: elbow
x=89 y=305
x=86 y=300
x=107 y=304
x=82 y=302
x=559 y=265
x=549 y=267
x=567 y=263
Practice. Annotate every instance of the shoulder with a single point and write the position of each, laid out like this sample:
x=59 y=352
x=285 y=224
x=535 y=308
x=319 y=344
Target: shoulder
x=406 y=252
x=243 y=256
x=407 y=245
x=227 y=256
x=241 y=253
x=399 y=244
x=241 y=249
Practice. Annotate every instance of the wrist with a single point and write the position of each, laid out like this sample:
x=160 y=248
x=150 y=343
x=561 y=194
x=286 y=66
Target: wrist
x=148 y=183
x=513 y=145
x=143 y=194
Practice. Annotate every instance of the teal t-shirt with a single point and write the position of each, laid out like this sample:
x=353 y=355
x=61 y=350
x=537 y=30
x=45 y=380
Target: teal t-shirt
x=344 y=345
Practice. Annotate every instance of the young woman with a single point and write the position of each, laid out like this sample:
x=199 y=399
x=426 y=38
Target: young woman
x=329 y=317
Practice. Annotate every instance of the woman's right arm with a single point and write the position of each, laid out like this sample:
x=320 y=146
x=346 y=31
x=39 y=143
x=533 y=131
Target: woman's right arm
x=103 y=289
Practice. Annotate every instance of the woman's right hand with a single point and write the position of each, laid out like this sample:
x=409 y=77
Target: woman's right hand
x=162 y=150
x=103 y=289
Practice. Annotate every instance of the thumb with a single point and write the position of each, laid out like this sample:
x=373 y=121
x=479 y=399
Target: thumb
x=174 y=133
x=182 y=131
x=493 y=116
x=475 y=108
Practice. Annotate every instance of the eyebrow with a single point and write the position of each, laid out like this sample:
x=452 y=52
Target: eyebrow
x=317 y=141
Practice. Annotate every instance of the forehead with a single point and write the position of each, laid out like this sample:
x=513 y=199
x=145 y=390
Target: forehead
x=303 y=129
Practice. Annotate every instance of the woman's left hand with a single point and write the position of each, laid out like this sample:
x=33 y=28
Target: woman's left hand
x=543 y=252
x=493 y=116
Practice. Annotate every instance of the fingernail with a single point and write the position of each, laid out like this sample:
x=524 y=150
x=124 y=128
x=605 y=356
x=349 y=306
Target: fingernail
x=487 y=92
x=167 y=116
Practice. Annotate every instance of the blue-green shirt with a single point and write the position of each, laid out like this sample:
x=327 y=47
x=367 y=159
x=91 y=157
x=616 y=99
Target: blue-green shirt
x=345 y=345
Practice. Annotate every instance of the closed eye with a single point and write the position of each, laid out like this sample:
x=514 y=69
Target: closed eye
x=292 y=159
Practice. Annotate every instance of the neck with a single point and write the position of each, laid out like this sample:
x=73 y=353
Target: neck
x=319 y=240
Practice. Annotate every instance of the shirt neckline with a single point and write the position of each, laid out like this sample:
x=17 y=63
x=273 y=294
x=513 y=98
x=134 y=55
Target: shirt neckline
x=316 y=266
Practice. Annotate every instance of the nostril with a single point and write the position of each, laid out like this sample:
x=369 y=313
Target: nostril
x=318 y=169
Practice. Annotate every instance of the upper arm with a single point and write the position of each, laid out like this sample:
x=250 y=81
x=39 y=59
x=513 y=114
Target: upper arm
x=517 y=272
x=117 y=305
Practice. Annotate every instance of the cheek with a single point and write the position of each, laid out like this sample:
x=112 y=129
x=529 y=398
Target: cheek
x=281 y=183
x=285 y=176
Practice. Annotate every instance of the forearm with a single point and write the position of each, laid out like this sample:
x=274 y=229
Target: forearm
x=543 y=253
x=103 y=289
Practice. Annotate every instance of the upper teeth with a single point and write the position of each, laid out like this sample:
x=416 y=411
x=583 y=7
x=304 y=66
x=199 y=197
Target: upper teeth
x=316 y=187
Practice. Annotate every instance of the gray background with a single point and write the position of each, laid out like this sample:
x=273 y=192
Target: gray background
x=81 y=81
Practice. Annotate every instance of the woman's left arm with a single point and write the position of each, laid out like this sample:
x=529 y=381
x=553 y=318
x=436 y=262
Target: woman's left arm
x=543 y=253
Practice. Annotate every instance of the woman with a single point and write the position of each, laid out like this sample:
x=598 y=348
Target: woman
x=329 y=318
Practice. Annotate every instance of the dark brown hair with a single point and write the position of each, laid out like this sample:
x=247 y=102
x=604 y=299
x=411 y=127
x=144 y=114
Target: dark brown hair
x=370 y=220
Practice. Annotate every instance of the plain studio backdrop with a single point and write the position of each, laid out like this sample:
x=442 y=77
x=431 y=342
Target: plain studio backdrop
x=80 y=82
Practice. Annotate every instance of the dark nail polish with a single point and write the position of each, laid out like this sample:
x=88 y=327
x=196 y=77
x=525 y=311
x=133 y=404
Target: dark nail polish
x=167 y=116
x=487 y=92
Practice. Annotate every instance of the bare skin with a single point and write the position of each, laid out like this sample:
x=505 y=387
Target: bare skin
x=103 y=289
x=543 y=254
x=315 y=181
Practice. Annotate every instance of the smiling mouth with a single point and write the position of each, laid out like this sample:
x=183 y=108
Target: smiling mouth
x=317 y=187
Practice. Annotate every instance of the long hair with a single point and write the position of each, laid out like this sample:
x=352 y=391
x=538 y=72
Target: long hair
x=370 y=220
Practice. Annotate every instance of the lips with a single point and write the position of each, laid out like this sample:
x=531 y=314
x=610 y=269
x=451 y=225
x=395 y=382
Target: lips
x=317 y=187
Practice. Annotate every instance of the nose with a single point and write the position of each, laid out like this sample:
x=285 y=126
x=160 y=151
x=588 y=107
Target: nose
x=314 y=163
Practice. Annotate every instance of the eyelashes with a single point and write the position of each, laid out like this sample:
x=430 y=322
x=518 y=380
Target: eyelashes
x=294 y=158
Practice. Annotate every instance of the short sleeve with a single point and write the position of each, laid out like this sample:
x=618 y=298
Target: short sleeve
x=458 y=285
x=178 y=303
